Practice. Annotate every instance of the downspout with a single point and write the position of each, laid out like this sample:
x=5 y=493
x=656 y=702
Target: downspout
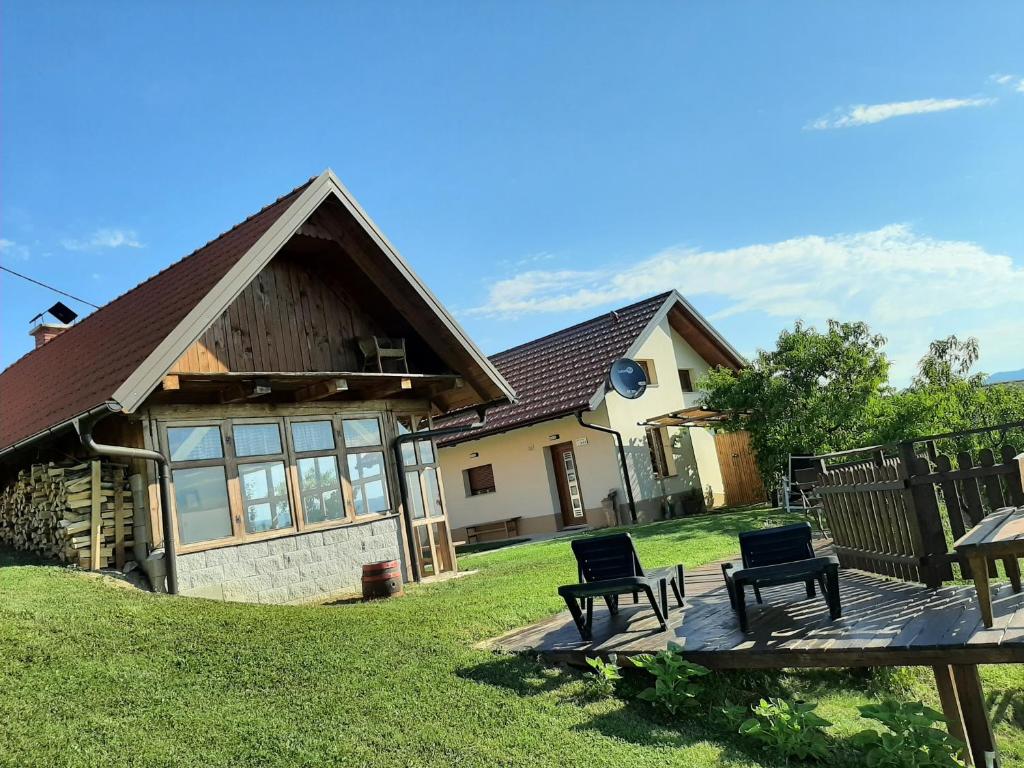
x=403 y=486
x=123 y=451
x=622 y=459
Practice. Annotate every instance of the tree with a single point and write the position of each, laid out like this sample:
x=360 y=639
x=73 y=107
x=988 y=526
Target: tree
x=808 y=395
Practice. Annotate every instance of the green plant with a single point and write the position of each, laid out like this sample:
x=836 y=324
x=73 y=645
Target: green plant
x=676 y=687
x=788 y=730
x=602 y=680
x=913 y=740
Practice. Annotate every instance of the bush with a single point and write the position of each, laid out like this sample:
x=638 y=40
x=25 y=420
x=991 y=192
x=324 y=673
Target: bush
x=602 y=680
x=913 y=741
x=787 y=730
x=676 y=687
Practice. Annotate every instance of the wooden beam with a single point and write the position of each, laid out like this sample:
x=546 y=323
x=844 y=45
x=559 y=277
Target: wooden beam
x=320 y=390
x=247 y=390
x=96 y=521
x=946 y=686
x=171 y=382
x=980 y=739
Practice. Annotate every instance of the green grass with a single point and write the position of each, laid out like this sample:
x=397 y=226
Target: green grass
x=92 y=673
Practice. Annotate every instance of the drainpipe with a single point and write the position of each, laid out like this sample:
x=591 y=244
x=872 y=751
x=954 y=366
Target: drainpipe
x=123 y=451
x=403 y=487
x=622 y=459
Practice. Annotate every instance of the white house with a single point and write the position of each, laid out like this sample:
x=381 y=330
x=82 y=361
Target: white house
x=535 y=464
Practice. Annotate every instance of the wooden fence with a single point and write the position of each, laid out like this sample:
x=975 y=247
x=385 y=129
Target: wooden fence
x=896 y=512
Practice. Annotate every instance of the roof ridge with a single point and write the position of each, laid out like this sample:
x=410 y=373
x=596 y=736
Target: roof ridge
x=152 y=277
x=660 y=296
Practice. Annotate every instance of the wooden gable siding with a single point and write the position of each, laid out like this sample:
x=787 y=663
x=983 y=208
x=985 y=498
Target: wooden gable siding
x=286 y=319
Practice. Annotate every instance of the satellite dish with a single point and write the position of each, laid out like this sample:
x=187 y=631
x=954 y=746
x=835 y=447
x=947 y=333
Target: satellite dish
x=628 y=378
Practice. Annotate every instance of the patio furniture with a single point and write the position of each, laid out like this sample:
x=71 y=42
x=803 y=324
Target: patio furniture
x=998 y=536
x=377 y=349
x=779 y=556
x=609 y=567
x=797 y=492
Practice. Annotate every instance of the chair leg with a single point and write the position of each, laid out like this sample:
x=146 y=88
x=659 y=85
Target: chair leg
x=636 y=598
x=757 y=594
x=740 y=604
x=590 y=614
x=612 y=601
x=835 y=609
x=810 y=587
x=1013 y=571
x=654 y=606
x=680 y=584
x=677 y=591
x=663 y=594
x=577 y=617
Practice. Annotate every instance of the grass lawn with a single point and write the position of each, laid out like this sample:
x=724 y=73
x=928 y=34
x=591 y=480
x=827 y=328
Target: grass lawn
x=92 y=673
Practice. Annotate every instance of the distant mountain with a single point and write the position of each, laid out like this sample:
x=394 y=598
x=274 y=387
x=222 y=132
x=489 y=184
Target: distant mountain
x=998 y=378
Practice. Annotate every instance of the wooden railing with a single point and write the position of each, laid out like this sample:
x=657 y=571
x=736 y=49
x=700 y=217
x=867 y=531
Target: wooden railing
x=895 y=512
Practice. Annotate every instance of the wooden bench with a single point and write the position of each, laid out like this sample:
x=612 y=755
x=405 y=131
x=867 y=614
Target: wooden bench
x=508 y=529
x=998 y=536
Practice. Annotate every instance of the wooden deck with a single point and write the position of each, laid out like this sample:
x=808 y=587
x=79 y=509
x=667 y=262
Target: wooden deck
x=885 y=623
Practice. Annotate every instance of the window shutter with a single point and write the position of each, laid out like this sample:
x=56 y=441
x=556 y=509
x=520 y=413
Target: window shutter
x=480 y=480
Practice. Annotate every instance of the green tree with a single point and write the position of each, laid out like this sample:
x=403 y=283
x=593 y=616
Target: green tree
x=810 y=394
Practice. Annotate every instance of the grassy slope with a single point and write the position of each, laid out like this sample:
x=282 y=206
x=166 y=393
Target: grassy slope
x=89 y=670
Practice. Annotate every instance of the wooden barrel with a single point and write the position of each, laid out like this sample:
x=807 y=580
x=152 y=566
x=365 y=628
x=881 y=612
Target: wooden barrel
x=383 y=579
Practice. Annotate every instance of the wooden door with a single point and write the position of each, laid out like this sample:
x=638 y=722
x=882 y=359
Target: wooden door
x=567 y=478
x=738 y=463
x=432 y=538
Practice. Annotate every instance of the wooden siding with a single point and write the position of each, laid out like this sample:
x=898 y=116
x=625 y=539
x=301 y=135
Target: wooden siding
x=294 y=316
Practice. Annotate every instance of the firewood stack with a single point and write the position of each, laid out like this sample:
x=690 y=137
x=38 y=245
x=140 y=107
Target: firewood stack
x=78 y=513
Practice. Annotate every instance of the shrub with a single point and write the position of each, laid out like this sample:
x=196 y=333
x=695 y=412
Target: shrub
x=602 y=680
x=787 y=730
x=913 y=741
x=676 y=687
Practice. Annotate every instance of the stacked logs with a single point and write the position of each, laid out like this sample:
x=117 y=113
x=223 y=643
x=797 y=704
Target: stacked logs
x=78 y=513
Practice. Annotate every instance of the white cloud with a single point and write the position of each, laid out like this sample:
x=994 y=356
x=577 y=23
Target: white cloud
x=13 y=249
x=1013 y=81
x=868 y=114
x=908 y=286
x=103 y=238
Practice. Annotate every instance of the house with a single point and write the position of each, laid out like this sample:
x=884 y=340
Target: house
x=536 y=463
x=294 y=455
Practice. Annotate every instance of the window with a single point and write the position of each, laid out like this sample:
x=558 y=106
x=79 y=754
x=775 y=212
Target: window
x=480 y=480
x=662 y=461
x=291 y=473
x=265 y=494
x=686 y=379
x=201 y=499
x=649 y=371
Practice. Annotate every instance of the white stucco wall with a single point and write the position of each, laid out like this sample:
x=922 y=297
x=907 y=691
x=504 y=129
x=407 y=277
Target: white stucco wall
x=523 y=478
x=693 y=449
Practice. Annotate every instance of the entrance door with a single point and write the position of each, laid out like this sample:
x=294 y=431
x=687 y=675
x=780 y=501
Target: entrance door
x=567 y=478
x=432 y=540
x=740 y=475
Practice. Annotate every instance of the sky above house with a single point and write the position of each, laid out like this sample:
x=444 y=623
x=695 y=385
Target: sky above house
x=541 y=163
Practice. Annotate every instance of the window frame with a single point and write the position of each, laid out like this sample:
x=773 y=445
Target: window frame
x=230 y=461
x=688 y=372
x=470 y=491
x=659 y=448
x=650 y=370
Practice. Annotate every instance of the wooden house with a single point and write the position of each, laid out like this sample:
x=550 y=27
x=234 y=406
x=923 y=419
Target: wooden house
x=290 y=449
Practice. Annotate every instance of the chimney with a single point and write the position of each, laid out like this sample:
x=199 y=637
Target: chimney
x=44 y=332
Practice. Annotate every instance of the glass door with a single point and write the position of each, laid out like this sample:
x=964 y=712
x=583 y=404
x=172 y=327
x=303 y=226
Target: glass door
x=432 y=540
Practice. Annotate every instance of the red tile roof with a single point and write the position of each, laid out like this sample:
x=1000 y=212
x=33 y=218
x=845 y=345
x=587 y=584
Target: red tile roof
x=558 y=374
x=82 y=368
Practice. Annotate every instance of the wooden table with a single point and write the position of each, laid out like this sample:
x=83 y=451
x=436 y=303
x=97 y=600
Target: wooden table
x=999 y=536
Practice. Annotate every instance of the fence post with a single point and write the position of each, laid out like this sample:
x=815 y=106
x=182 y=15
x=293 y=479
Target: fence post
x=924 y=505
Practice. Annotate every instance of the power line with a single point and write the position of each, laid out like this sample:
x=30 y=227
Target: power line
x=50 y=287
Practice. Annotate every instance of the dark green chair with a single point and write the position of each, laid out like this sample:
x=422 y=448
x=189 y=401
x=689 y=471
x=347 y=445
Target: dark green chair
x=609 y=567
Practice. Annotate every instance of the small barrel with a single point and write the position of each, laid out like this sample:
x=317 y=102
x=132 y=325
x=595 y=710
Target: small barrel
x=383 y=579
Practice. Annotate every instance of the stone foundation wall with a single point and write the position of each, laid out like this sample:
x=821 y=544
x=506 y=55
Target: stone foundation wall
x=293 y=569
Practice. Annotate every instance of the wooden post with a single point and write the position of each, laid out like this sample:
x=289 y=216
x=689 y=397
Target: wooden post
x=119 y=558
x=924 y=506
x=980 y=739
x=946 y=686
x=96 y=522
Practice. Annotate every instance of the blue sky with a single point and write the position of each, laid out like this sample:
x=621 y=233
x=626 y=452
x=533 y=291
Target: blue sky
x=543 y=162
